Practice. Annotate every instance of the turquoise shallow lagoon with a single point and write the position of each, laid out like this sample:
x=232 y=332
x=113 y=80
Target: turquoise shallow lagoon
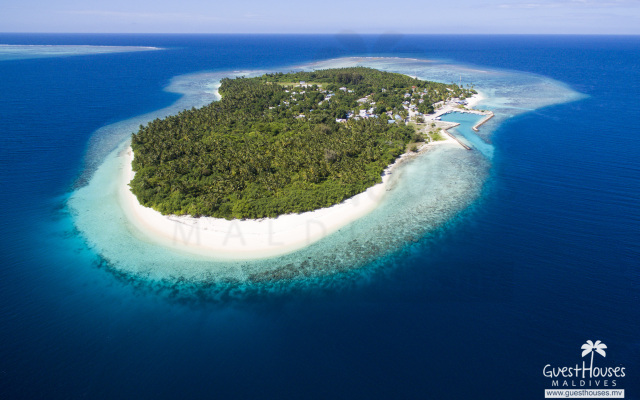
x=425 y=193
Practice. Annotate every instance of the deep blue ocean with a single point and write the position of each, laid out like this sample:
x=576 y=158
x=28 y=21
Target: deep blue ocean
x=548 y=258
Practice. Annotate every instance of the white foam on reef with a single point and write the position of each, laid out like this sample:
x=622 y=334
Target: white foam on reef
x=422 y=195
x=20 y=52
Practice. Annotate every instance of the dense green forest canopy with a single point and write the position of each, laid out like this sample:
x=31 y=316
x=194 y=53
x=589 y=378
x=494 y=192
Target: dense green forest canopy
x=280 y=143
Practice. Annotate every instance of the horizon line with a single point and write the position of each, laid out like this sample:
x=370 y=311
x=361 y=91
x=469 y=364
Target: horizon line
x=324 y=33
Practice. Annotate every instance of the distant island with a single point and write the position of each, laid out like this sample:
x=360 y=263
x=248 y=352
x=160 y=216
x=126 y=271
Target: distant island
x=283 y=143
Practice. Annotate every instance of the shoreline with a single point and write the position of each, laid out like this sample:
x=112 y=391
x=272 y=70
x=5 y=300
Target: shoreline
x=218 y=238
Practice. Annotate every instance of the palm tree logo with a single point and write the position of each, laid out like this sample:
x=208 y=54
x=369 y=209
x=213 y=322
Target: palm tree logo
x=591 y=347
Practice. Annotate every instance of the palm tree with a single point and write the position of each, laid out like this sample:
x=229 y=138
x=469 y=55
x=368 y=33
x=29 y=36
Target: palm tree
x=589 y=347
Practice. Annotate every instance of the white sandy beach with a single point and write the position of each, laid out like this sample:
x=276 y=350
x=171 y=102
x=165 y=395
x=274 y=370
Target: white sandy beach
x=250 y=239
x=473 y=101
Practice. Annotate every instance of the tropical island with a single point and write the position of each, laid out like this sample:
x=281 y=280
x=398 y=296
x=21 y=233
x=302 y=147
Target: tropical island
x=282 y=143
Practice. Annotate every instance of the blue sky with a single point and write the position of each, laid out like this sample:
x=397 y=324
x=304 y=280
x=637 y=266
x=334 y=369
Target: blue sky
x=327 y=16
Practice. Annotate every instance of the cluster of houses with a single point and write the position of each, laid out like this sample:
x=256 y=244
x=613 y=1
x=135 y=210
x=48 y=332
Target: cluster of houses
x=366 y=113
x=412 y=111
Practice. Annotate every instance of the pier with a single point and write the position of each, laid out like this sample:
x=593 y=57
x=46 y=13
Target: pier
x=489 y=115
x=453 y=125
